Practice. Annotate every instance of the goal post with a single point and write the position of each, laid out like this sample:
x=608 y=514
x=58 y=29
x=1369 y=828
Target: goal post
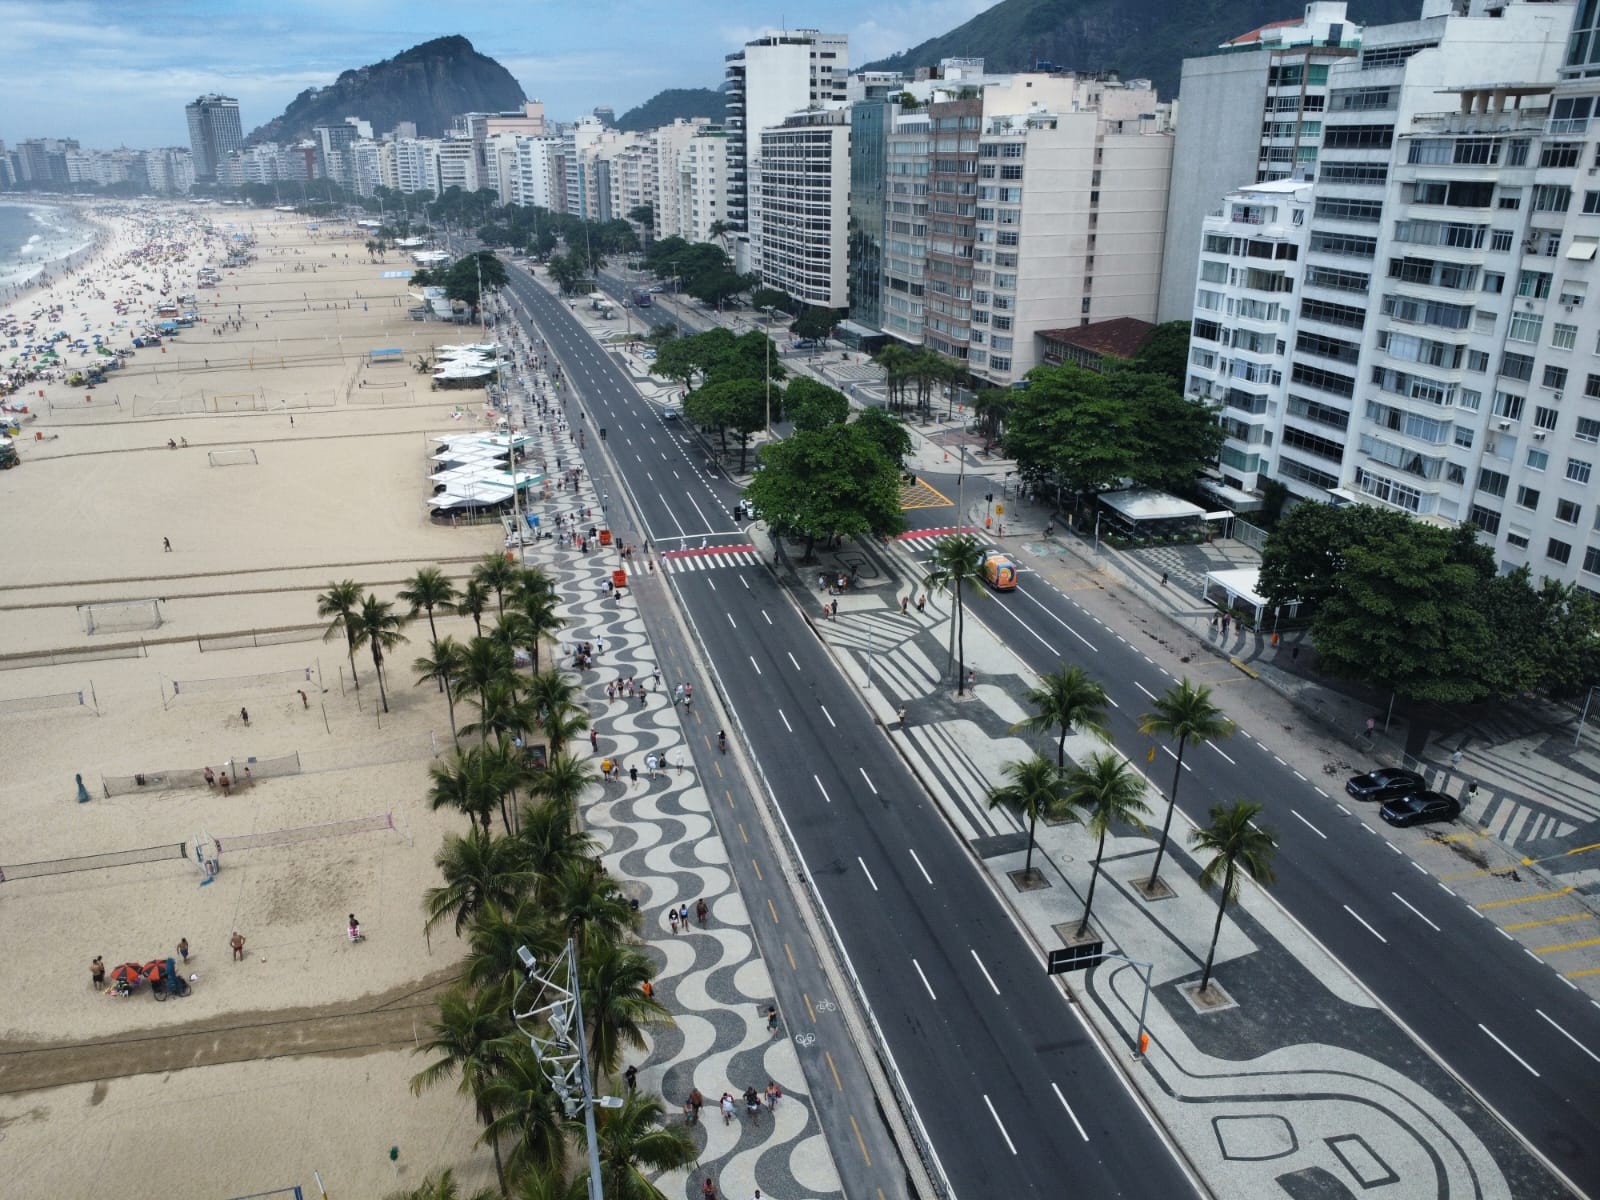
x=120 y=616
x=243 y=457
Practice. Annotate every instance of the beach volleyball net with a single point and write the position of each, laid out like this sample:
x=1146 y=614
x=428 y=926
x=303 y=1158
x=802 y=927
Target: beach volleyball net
x=383 y=822
x=167 y=406
x=9 y=873
x=120 y=616
x=173 y=690
x=240 y=771
x=242 y=457
x=51 y=700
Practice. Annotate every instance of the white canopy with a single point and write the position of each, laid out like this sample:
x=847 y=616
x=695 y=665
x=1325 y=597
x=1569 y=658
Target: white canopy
x=1242 y=585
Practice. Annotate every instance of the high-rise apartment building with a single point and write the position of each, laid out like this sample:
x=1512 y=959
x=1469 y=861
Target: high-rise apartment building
x=536 y=183
x=1433 y=338
x=458 y=164
x=773 y=77
x=702 y=186
x=801 y=205
x=214 y=130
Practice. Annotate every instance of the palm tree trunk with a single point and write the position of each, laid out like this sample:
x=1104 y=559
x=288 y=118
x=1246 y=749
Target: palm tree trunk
x=377 y=667
x=350 y=649
x=961 y=642
x=450 y=701
x=1061 y=750
x=1033 y=823
x=1216 y=930
x=486 y=1117
x=1166 y=824
x=1094 y=878
x=433 y=636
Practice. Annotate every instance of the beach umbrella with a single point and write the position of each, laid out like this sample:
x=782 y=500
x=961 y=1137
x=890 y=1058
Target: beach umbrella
x=154 y=969
x=131 y=973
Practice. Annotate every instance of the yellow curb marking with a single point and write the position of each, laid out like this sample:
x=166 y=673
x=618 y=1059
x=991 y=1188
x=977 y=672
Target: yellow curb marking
x=1525 y=899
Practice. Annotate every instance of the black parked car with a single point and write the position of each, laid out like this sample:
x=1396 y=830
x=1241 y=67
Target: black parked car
x=1384 y=784
x=1421 y=808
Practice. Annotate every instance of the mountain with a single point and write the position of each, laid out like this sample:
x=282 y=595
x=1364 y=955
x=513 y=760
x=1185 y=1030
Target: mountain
x=664 y=107
x=1143 y=39
x=428 y=84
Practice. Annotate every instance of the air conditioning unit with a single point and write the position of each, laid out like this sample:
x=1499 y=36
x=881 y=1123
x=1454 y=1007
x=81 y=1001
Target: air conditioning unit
x=1505 y=425
x=1538 y=435
x=1569 y=307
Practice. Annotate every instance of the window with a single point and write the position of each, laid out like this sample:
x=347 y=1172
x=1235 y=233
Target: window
x=1545 y=418
x=1527 y=497
x=1328 y=381
x=1361 y=99
x=1517 y=541
x=1538 y=460
x=1555 y=378
x=1591 y=560
x=1560 y=154
x=1478 y=360
x=1358 y=137
x=1335 y=209
x=1551 y=197
x=1460 y=193
x=1508 y=406
x=1378 y=58
x=1558 y=550
x=1494 y=282
x=1333 y=314
x=1485 y=519
x=1525 y=327
x=1568 y=511
x=1343 y=243
x=1428 y=312
x=1516 y=366
x=1591 y=202
x=1563 y=337
x=1357 y=174
x=1509 y=199
x=1578 y=470
x=1011 y=171
x=1500 y=240
x=1463 y=436
x=1534 y=284
x=1588 y=430
x=1517 y=152
x=1332 y=277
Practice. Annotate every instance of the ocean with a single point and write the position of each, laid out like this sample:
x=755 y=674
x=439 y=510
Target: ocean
x=34 y=235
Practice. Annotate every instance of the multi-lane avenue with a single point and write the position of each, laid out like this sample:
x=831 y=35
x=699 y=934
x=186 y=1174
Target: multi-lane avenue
x=1008 y=1082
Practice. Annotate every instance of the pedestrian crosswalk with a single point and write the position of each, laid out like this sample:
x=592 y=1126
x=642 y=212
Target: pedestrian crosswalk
x=922 y=541
x=708 y=558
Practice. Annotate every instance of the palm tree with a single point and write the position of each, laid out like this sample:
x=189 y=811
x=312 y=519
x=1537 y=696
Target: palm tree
x=427 y=590
x=468 y=1038
x=1067 y=699
x=1037 y=788
x=379 y=629
x=550 y=842
x=1235 y=842
x=478 y=870
x=341 y=602
x=615 y=1007
x=527 y=1111
x=562 y=781
x=474 y=601
x=560 y=715
x=470 y=781
x=496 y=574
x=441 y=1186
x=502 y=712
x=1109 y=791
x=590 y=902
x=495 y=934
x=1183 y=711
x=957 y=565
x=487 y=662
x=445 y=664
x=633 y=1139
x=537 y=607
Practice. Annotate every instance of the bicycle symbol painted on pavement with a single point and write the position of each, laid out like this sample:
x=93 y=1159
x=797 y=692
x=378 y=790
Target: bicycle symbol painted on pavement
x=804 y=1039
x=825 y=1006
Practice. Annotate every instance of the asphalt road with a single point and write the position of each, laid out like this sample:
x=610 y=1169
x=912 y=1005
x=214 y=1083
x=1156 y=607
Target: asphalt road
x=1008 y=1083
x=1522 y=1037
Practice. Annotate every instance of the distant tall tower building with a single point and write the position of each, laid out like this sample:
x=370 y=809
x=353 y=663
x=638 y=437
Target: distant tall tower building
x=214 y=130
x=606 y=115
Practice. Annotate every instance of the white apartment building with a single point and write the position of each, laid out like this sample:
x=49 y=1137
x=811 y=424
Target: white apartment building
x=701 y=186
x=1444 y=319
x=801 y=206
x=537 y=172
x=577 y=139
x=416 y=165
x=667 y=146
x=774 y=75
x=458 y=164
x=366 y=167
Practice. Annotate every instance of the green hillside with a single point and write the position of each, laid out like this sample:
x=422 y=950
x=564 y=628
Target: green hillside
x=664 y=107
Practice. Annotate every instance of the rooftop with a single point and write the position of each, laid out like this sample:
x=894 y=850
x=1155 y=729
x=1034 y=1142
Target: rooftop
x=1121 y=337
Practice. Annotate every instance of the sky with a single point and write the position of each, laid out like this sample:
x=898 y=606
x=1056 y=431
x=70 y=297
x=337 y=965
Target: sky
x=118 y=73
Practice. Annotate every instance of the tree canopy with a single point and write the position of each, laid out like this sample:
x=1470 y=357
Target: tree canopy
x=812 y=405
x=829 y=481
x=461 y=281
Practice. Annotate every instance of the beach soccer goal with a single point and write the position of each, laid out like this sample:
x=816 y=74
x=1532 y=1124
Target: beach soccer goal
x=120 y=616
x=244 y=457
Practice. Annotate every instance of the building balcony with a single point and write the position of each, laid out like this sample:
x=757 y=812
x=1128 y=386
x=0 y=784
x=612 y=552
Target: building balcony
x=1512 y=120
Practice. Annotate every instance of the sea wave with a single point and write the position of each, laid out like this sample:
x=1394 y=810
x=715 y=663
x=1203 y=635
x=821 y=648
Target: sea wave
x=61 y=237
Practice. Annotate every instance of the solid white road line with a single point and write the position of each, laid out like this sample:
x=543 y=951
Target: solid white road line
x=867 y=873
x=868 y=778
x=1225 y=757
x=731 y=621
x=1308 y=824
x=1510 y=1051
x=822 y=789
x=829 y=715
x=1144 y=689
x=1569 y=1037
x=1174 y=757
x=1076 y=1123
x=998 y=1123
x=1413 y=908
x=792 y=660
x=767 y=619
x=1365 y=926
x=785 y=721
x=989 y=978
x=929 y=986
x=920 y=867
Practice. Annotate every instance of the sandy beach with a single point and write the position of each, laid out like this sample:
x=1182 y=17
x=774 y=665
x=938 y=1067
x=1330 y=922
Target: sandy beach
x=278 y=366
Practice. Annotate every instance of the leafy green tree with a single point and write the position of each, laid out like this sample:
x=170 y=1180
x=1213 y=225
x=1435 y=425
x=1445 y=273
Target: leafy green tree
x=445 y=664
x=827 y=482
x=1066 y=699
x=812 y=405
x=497 y=574
x=1184 y=711
x=342 y=602
x=466 y=275
x=468 y=1037
x=1109 y=792
x=1037 y=789
x=556 y=700
x=634 y=1140
x=736 y=404
x=534 y=599
x=1065 y=429
x=471 y=781
x=550 y=839
x=486 y=663
x=560 y=784
x=642 y=213
x=1236 y=844
x=716 y=288
x=1175 y=438
x=438 y=1187
x=1166 y=353
x=958 y=568
x=615 y=1008
x=1304 y=556
x=885 y=430
x=474 y=603
x=378 y=628
x=813 y=322
x=428 y=590
x=992 y=407
x=478 y=869
x=767 y=297
x=528 y=1114
x=591 y=904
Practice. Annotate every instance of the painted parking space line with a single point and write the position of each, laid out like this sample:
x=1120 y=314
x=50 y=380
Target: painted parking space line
x=1555 y=895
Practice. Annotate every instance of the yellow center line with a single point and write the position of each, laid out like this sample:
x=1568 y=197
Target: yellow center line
x=1525 y=899
x=773 y=911
x=860 y=1141
x=745 y=837
x=729 y=796
x=757 y=868
x=1583 y=916
x=806 y=996
x=837 y=1082
x=717 y=767
x=790 y=952
x=1566 y=946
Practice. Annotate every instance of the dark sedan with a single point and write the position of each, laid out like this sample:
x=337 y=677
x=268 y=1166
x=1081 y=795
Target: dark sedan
x=1421 y=808
x=1384 y=784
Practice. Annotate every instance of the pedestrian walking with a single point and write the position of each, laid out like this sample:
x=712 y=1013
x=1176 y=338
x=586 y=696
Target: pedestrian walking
x=594 y=736
x=774 y=1094
x=183 y=949
x=633 y=775
x=97 y=972
x=672 y=916
x=922 y=601
x=727 y=1108
x=696 y=1102
x=166 y=545
x=905 y=602
x=834 y=607
x=752 y=1105
x=244 y=714
x=237 y=943
x=1163 y=579
x=683 y=916
x=700 y=911
x=708 y=1190
x=649 y=990
x=772 y=1019
x=677 y=694
x=631 y=1077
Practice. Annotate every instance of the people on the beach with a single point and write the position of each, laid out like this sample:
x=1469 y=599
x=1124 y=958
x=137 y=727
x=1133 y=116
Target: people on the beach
x=237 y=943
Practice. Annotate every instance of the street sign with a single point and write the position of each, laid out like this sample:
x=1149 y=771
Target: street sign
x=1075 y=958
